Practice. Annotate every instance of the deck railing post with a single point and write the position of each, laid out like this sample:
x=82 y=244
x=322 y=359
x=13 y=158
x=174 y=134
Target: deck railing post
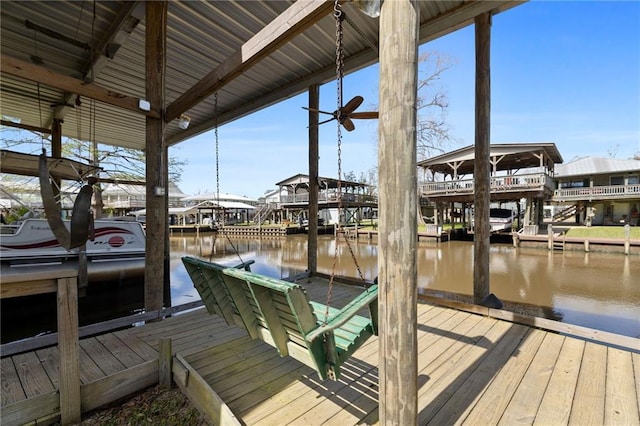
x=68 y=343
x=165 y=358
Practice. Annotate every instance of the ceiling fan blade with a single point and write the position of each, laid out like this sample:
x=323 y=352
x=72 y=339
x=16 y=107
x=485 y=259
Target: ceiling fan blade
x=317 y=110
x=364 y=114
x=348 y=124
x=326 y=121
x=352 y=105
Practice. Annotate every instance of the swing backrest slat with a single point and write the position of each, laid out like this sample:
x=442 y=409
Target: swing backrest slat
x=207 y=279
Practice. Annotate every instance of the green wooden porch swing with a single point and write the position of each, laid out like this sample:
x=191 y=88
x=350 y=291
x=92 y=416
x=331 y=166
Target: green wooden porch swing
x=281 y=314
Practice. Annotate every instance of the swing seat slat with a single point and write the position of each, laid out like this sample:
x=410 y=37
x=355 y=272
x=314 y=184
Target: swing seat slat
x=281 y=314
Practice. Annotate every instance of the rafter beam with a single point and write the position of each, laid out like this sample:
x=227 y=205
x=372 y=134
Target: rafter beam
x=429 y=31
x=25 y=127
x=293 y=21
x=129 y=17
x=28 y=71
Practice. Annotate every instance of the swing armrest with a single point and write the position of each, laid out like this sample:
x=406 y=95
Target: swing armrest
x=244 y=265
x=345 y=314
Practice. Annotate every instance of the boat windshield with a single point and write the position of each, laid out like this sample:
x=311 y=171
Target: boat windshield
x=500 y=213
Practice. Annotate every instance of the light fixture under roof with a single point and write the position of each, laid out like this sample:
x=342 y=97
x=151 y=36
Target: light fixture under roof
x=184 y=121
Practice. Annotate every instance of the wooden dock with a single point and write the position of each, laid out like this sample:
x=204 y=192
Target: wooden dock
x=260 y=231
x=473 y=369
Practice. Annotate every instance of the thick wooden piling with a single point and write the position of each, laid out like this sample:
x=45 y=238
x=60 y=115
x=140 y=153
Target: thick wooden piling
x=397 y=238
x=312 y=244
x=482 y=193
x=156 y=164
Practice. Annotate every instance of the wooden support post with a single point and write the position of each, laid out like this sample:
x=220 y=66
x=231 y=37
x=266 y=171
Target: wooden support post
x=627 y=239
x=550 y=237
x=156 y=166
x=165 y=358
x=398 y=225
x=68 y=348
x=312 y=235
x=482 y=193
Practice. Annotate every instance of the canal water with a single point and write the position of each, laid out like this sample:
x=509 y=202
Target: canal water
x=596 y=290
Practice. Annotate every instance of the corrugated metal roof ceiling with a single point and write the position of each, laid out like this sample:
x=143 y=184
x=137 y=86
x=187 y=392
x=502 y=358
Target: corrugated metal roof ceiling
x=201 y=35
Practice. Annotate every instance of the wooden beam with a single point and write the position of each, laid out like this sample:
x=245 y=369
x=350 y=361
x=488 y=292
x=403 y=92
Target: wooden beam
x=397 y=237
x=293 y=21
x=25 y=127
x=430 y=30
x=28 y=71
x=156 y=166
x=482 y=185
x=116 y=34
x=312 y=240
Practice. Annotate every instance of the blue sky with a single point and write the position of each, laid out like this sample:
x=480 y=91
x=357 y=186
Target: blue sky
x=562 y=72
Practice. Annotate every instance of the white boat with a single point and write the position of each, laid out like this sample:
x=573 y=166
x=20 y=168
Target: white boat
x=501 y=220
x=116 y=249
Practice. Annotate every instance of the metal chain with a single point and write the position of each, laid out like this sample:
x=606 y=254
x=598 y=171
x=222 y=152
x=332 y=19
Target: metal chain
x=339 y=16
x=215 y=129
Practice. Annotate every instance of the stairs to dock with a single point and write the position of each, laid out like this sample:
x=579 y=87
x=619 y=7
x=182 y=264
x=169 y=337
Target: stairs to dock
x=565 y=214
x=263 y=214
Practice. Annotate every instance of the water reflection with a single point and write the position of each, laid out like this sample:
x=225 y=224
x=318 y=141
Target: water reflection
x=597 y=290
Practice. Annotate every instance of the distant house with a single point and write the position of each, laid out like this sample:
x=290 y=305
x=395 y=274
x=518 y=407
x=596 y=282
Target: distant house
x=124 y=198
x=607 y=189
x=293 y=199
x=223 y=208
x=518 y=171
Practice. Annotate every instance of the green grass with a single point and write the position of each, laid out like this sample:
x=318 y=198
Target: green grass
x=614 y=232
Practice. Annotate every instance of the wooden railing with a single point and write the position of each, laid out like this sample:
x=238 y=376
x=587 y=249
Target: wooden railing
x=328 y=198
x=513 y=183
x=597 y=192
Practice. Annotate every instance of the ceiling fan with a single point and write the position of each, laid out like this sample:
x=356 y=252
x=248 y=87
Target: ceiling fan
x=347 y=112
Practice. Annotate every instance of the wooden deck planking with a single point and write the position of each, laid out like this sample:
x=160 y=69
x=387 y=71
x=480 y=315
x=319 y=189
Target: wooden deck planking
x=493 y=402
x=472 y=369
x=35 y=380
x=306 y=389
x=217 y=361
x=621 y=406
x=106 y=361
x=523 y=406
x=357 y=370
x=451 y=370
x=89 y=370
x=482 y=374
x=120 y=350
x=11 y=389
x=140 y=347
x=50 y=361
x=555 y=406
x=636 y=370
x=588 y=401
